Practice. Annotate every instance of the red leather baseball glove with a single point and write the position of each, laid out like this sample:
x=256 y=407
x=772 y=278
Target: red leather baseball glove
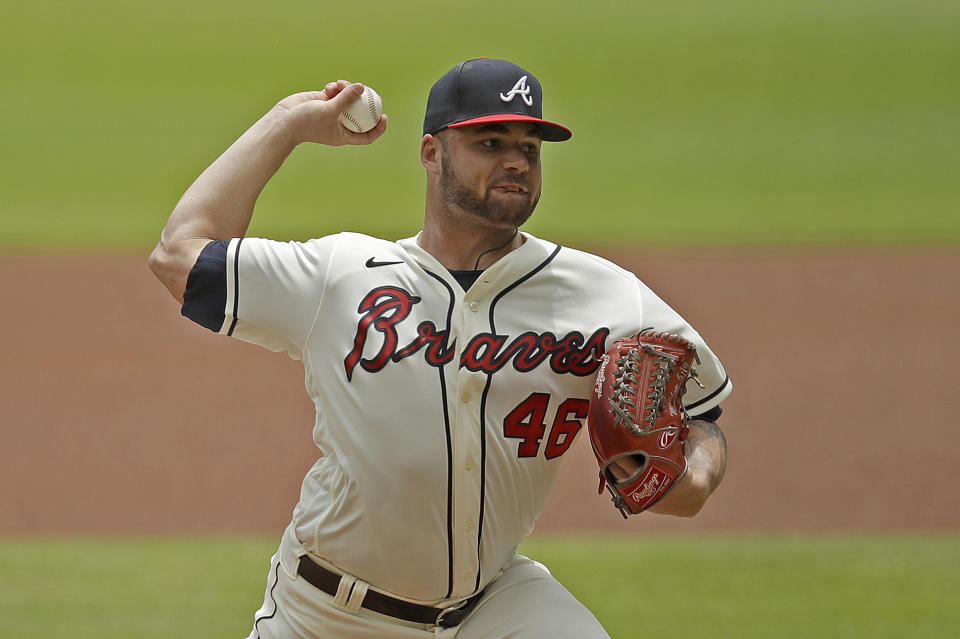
x=637 y=422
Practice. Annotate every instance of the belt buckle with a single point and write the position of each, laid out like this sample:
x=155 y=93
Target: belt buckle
x=443 y=622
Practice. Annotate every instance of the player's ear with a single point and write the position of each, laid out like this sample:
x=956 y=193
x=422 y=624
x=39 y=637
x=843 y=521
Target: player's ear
x=431 y=151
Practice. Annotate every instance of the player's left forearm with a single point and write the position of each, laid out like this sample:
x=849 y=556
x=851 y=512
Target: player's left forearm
x=706 y=453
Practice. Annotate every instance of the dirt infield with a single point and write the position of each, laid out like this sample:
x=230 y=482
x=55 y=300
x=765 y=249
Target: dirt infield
x=120 y=416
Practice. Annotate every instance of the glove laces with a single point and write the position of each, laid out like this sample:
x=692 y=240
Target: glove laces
x=624 y=389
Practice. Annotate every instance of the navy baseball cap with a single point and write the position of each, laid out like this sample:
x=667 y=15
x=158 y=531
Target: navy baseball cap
x=487 y=90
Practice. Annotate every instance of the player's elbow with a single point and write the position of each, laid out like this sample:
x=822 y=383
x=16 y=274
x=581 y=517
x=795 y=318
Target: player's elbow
x=160 y=262
x=156 y=261
x=166 y=267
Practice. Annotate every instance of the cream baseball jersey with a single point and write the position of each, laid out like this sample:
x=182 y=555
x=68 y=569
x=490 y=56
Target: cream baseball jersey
x=442 y=414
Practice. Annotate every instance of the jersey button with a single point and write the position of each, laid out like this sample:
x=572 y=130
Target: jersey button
x=469 y=463
x=466 y=397
x=474 y=306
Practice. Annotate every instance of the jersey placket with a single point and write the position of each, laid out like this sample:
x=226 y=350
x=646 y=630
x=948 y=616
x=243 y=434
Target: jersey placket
x=468 y=462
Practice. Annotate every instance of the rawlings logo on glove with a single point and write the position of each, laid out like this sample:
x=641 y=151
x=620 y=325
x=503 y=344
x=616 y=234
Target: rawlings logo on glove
x=637 y=422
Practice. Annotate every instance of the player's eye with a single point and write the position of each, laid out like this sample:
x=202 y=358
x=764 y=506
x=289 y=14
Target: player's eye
x=491 y=143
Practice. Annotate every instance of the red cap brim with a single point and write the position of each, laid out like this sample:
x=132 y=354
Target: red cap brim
x=552 y=132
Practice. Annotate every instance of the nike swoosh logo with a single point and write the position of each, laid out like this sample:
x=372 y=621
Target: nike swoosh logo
x=372 y=263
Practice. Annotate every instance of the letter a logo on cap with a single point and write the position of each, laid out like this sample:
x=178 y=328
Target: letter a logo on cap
x=521 y=89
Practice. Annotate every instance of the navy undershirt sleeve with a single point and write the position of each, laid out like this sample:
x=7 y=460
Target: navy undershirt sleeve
x=206 y=295
x=711 y=415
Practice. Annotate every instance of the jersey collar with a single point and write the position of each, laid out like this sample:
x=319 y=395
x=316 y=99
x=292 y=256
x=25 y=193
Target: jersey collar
x=498 y=275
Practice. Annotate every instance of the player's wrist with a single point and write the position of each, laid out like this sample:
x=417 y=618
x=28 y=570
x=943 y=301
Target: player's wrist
x=283 y=126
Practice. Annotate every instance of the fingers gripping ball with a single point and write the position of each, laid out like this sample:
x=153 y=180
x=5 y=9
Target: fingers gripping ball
x=364 y=113
x=637 y=422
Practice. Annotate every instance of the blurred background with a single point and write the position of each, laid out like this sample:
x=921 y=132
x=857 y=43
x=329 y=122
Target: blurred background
x=733 y=122
x=784 y=174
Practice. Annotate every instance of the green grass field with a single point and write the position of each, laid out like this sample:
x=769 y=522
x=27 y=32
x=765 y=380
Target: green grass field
x=785 y=587
x=743 y=121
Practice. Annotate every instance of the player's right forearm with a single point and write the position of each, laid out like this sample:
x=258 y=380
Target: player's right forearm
x=220 y=203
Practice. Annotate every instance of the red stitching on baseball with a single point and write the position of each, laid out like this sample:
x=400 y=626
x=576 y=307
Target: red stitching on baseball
x=372 y=104
x=356 y=122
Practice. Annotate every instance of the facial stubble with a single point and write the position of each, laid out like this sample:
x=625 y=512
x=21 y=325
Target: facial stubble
x=456 y=193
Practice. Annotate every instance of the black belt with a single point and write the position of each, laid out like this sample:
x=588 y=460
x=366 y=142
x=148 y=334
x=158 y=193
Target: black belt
x=329 y=581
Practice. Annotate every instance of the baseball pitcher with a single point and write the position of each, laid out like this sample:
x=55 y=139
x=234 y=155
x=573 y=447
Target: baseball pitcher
x=451 y=371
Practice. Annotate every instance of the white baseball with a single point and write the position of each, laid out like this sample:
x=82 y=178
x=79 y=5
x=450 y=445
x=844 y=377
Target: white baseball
x=364 y=113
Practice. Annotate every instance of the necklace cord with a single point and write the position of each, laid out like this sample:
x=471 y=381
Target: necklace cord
x=496 y=248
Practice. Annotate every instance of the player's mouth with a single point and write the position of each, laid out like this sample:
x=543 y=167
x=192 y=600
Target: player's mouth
x=511 y=188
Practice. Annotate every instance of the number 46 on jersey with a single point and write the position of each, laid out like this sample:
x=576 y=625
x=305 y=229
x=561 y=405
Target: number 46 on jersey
x=528 y=423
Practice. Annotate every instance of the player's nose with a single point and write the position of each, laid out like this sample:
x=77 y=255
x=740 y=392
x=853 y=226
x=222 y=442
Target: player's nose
x=516 y=160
